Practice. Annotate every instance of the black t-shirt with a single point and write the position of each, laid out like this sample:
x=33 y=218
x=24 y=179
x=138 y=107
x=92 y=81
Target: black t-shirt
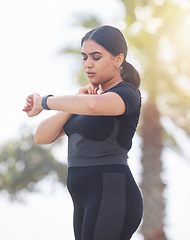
x=102 y=140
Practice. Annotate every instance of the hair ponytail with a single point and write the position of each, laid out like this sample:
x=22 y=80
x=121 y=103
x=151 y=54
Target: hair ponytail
x=129 y=74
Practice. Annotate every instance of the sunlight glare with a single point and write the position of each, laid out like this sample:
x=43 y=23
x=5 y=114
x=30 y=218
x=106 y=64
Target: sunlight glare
x=143 y=13
x=166 y=52
x=153 y=25
x=159 y=2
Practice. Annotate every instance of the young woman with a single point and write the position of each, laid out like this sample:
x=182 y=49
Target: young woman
x=100 y=122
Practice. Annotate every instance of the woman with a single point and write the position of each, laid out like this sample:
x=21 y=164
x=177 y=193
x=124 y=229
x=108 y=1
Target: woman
x=100 y=122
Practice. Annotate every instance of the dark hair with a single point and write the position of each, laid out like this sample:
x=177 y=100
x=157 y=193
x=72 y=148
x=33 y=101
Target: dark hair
x=114 y=42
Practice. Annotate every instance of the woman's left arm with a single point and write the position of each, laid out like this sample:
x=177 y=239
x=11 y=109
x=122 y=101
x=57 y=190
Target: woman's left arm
x=107 y=104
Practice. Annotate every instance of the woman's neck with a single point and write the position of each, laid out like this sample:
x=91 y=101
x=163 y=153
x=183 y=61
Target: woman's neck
x=109 y=84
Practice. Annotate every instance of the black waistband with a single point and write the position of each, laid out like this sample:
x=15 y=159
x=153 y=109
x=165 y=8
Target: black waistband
x=120 y=159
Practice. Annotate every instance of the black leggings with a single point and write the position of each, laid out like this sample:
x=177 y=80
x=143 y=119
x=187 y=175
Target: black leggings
x=107 y=202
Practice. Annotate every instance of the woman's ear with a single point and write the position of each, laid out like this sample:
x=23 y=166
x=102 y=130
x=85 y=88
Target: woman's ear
x=119 y=60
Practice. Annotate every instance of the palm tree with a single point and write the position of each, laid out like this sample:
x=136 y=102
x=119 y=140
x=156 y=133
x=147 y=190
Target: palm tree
x=152 y=32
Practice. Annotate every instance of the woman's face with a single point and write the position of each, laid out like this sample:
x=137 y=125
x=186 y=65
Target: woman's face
x=99 y=64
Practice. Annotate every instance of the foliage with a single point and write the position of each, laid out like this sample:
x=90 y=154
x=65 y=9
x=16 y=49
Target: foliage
x=87 y=21
x=23 y=164
x=157 y=33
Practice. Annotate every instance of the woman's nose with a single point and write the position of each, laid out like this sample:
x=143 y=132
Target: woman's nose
x=89 y=63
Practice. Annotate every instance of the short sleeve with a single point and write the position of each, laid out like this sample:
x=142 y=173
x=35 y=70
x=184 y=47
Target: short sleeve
x=131 y=97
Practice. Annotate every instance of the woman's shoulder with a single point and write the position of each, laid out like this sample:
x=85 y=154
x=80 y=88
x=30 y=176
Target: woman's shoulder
x=125 y=87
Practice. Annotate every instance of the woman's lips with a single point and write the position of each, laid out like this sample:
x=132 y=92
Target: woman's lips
x=90 y=74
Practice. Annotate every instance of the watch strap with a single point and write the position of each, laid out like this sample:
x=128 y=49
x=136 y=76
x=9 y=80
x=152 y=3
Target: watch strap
x=44 y=102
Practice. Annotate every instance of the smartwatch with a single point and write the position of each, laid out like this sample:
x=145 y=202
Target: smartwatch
x=44 y=102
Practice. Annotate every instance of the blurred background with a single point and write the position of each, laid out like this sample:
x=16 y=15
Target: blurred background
x=40 y=52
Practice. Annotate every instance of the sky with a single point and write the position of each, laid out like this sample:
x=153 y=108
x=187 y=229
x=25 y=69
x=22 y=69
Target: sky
x=32 y=33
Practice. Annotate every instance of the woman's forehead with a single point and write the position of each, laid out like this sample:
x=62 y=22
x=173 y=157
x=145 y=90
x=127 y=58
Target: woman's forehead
x=90 y=46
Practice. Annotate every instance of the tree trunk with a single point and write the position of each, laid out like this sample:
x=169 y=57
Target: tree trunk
x=152 y=186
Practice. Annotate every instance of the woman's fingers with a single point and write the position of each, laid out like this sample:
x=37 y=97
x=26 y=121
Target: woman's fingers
x=27 y=108
x=29 y=104
x=89 y=89
x=94 y=88
x=30 y=108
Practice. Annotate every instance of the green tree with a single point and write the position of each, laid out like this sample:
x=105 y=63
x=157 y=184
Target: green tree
x=23 y=164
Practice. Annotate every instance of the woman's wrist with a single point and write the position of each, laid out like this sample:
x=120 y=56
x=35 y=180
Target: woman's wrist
x=44 y=102
x=38 y=102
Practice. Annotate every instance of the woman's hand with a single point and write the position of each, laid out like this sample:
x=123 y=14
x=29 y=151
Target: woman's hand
x=89 y=89
x=33 y=105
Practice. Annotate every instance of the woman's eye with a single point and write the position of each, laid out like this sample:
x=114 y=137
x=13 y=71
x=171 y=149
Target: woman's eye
x=96 y=58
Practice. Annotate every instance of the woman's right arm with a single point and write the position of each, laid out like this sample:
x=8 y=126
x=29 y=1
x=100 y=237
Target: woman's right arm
x=51 y=129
